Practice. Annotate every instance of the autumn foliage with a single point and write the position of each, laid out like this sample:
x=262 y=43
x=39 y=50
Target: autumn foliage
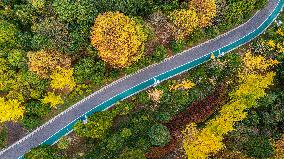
x=279 y=148
x=10 y=110
x=200 y=143
x=45 y=62
x=118 y=38
x=205 y=9
x=62 y=78
x=52 y=99
x=185 y=21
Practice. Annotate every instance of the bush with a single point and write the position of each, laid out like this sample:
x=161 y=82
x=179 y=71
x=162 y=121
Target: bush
x=43 y=152
x=15 y=57
x=52 y=99
x=38 y=3
x=185 y=21
x=3 y=136
x=132 y=154
x=159 y=54
x=237 y=12
x=63 y=143
x=62 y=79
x=163 y=116
x=178 y=46
x=159 y=135
x=259 y=147
x=25 y=14
x=37 y=108
x=205 y=9
x=96 y=127
x=129 y=7
x=8 y=35
x=45 y=62
x=88 y=69
x=52 y=35
x=75 y=11
x=118 y=38
x=115 y=142
x=31 y=121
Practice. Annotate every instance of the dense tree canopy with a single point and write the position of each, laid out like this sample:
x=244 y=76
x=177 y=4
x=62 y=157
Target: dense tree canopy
x=118 y=38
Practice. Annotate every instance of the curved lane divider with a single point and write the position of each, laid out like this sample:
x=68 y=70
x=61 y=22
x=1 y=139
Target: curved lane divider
x=270 y=12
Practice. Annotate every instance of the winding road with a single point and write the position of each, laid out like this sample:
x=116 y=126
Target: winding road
x=103 y=99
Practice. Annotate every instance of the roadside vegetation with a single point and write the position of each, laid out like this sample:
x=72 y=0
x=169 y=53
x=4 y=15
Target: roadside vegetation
x=54 y=53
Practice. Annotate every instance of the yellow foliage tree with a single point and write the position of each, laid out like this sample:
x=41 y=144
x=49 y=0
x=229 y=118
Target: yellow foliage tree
x=201 y=143
x=62 y=78
x=185 y=21
x=45 y=62
x=118 y=38
x=205 y=9
x=52 y=99
x=259 y=63
x=10 y=110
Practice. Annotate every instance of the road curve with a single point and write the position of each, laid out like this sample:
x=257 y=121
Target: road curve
x=103 y=99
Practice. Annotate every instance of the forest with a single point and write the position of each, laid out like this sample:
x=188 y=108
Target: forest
x=53 y=53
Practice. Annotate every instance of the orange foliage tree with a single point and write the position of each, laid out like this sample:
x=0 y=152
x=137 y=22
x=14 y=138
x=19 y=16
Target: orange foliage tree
x=205 y=9
x=118 y=38
x=45 y=62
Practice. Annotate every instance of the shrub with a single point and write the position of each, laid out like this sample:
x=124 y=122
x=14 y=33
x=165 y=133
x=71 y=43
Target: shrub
x=31 y=121
x=259 y=147
x=52 y=99
x=159 y=54
x=50 y=34
x=205 y=9
x=132 y=154
x=15 y=57
x=115 y=142
x=45 y=62
x=10 y=110
x=118 y=38
x=43 y=152
x=96 y=127
x=63 y=143
x=185 y=21
x=237 y=11
x=129 y=7
x=75 y=11
x=125 y=133
x=88 y=69
x=37 y=108
x=38 y=3
x=159 y=135
x=178 y=46
x=8 y=35
x=260 y=4
x=3 y=136
x=62 y=79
